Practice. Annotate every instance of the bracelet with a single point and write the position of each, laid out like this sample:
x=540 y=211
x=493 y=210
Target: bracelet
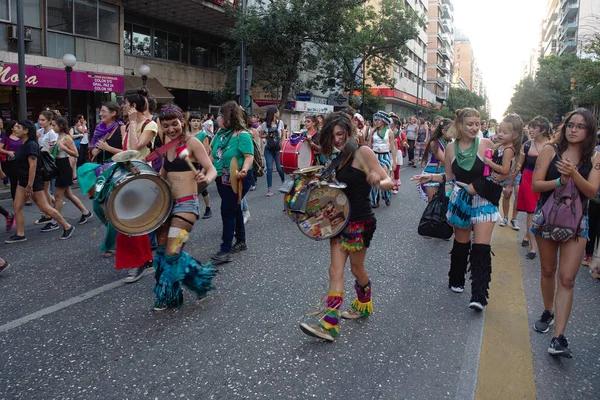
x=559 y=183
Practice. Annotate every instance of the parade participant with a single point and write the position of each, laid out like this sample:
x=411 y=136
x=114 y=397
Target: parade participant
x=361 y=128
x=134 y=252
x=83 y=148
x=233 y=141
x=311 y=134
x=64 y=178
x=411 y=131
x=492 y=129
x=205 y=138
x=382 y=142
x=255 y=131
x=435 y=156
x=173 y=266
x=77 y=131
x=421 y=143
x=469 y=209
x=106 y=142
x=208 y=125
x=359 y=169
x=30 y=184
x=539 y=131
x=272 y=131
x=46 y=139
x=571 y=158
x=320 y=121
x=511 y=125
x=9 y=144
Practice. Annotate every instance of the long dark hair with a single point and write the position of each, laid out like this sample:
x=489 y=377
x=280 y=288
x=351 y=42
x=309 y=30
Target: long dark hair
x=271 y=115
x=326 y=137
x=139 y=97
x=589 y=143
x=31 y=134
x=62 y=124
x=435 y=136
x=233 y=118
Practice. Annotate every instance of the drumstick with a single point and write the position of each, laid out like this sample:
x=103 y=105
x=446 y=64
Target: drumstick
x=185 y=155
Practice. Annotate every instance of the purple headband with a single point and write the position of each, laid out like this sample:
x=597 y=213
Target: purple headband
x=176 y=110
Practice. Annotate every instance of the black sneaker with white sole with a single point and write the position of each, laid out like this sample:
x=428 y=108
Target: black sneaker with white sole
x=85 y=218
x=50 y=226
x=559 y=347
x=221 y=258
x=134 y=275
x=67 y=233
x=240 y=245
x=543 y=324
x=15 y=239
x=43 y=220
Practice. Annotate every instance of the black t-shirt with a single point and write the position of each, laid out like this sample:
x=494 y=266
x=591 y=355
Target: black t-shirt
x=29 y=148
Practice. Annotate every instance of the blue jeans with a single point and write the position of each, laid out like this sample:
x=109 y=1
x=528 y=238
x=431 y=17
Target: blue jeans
x=231 y=212
x=269 y=157
x=244 y=204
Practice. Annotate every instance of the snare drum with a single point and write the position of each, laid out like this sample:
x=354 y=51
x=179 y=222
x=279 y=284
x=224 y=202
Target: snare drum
x=135 y=199
x=295 y=155
x=326 y=215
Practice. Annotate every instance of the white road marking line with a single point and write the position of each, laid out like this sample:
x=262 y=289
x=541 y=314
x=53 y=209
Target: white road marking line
x=66 y=303
x=467 y=379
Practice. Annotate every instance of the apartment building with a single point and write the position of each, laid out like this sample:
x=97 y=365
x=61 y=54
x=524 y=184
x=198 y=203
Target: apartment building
x=111 y=39
x=549 y=42
x=440 y=48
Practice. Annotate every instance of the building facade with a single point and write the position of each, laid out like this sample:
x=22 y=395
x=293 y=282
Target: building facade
x=548 y=42
x=440 y=48
x=111 y=39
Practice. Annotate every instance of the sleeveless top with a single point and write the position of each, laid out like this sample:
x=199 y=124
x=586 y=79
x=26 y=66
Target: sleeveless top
x=116 y=141
x=381 y=145
x=357 y=190
x=530 y=160
x=433 y=160
x=61 y=153
x=178 y=165
x=465 y=176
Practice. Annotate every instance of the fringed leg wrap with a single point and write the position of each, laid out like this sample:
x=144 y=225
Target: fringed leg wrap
x=481 y=272
x=374 y=196
x=363 y=303
x=459 y=259
x=176 y=269
x=157 y=263
x=331 y=319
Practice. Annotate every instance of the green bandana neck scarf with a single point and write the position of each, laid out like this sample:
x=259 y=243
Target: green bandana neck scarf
x=382 y=132
x=466 y=158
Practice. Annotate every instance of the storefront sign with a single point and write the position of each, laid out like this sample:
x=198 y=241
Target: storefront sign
x=57 y=79
x=304 y=96
x=263 y=104
x=313 y=108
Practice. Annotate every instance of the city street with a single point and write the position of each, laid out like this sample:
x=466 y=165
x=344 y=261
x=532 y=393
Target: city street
x=69 y=329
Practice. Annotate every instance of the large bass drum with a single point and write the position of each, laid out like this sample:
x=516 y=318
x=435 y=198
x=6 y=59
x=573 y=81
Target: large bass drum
x=327 y=213
x=135 y=199
x=295 y=154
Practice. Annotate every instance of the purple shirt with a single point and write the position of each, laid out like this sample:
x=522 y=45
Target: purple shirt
x=10 y=144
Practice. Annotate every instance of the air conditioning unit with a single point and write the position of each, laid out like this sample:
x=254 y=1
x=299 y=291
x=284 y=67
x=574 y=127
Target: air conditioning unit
x=12 y=33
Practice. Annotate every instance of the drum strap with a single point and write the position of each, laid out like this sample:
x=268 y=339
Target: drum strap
x=162 y=150
x=183 y=218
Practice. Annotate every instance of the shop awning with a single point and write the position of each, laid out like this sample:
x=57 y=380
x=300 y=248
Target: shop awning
x=153 y=85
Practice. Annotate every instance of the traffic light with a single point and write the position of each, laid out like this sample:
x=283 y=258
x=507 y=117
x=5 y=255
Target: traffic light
x=573 y=83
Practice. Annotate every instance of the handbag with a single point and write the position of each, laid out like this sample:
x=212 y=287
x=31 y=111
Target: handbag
x=561 y=217
x=273 y=139
x=49 y=170
x=433 y=222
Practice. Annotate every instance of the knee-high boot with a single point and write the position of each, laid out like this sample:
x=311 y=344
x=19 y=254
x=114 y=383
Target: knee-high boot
x=459 y=259
x=481 y=272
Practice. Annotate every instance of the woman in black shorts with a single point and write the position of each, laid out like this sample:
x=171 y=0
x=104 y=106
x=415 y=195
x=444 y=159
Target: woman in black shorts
x=64 y=179
x=30 y=184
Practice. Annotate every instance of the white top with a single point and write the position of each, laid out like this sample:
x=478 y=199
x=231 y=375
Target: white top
x=85 y=139
x=46 y=140
x=280 y=127
x=208 y=126
x=381 y=145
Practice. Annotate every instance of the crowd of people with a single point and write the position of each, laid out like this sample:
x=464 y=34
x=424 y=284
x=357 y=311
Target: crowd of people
x=482 y=164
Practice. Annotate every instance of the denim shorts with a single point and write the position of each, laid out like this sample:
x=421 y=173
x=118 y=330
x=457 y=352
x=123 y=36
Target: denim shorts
x=188 y=206
x=515 y=183
x=586 y=229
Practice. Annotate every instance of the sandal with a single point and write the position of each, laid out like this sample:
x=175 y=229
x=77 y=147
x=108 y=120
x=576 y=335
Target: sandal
x=108 y=254
x=525 y=243
x=531 y=255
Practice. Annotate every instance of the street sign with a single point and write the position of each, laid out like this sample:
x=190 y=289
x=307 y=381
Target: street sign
x=304 y=96
x=338 y=100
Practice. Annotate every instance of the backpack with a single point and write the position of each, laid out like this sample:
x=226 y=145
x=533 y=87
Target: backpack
x=561 y=217
x=273 y=138
x=258 y=165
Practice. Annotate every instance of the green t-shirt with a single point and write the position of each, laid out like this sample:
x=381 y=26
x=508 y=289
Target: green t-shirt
x=231 y=146
x=201 y=136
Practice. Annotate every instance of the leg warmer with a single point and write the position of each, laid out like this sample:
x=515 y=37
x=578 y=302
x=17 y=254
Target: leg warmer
x=363 y=303
x=331 y=319
x=481 y=272
x=459 y=259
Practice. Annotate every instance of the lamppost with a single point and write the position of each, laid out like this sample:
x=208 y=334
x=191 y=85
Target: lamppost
x=144 y=71
x=69 y=61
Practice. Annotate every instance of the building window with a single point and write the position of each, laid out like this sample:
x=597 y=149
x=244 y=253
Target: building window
x=174 y=47
x=140 y=41
x=4 y=10
x=108 y=30
x=86 y=18
x=161 y=44
x=60 y=15
x=199 y=53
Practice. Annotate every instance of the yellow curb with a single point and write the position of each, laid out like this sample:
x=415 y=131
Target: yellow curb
x=505 y=364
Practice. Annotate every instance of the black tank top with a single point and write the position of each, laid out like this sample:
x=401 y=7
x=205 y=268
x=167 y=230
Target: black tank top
x=552 y=174
x=115 y=140
x=530 y=160
x=465 y=176
x=178 y=165
x=357 y=190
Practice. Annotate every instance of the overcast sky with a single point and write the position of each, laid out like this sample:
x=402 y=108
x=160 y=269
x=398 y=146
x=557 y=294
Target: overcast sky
x=503 y=33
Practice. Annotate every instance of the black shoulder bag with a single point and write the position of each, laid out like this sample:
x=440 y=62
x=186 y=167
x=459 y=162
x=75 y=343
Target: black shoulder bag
x=433 y=221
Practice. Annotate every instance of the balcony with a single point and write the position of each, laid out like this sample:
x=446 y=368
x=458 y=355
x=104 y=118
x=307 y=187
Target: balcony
x=446 y=38
x=444 y=66
x=445 y=23
x=445 y=9
x=444 y=52
x=569 y=46
x=569 y=10
x=570 y=27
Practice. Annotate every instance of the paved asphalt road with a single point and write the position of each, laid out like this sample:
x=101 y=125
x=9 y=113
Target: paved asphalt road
x=243 y=341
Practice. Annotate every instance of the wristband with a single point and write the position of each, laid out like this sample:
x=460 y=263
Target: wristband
x=559 y=183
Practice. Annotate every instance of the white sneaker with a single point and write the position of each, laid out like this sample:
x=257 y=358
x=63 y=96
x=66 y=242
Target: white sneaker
x=475 y=305
x=514 y=224
x=503 y=222
x=246 y=216
x=457 y=289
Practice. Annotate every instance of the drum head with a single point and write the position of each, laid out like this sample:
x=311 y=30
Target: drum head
x=327 y=213
x=140 y=204
x=126 y=155
x=305 y=155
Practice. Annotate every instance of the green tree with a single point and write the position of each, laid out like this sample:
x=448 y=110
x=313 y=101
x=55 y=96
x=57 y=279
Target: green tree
x=370 y=39
x=529 y=100
x=281 y=39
